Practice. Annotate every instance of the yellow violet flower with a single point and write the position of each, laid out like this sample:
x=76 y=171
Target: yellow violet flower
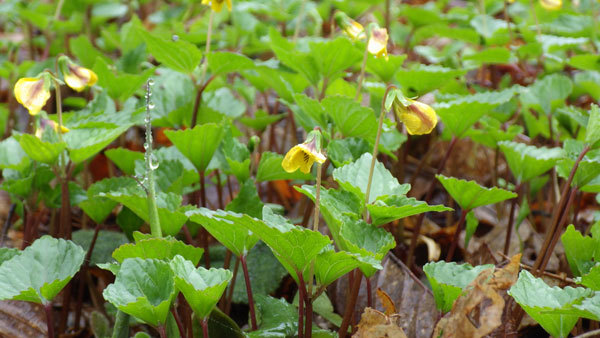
x=378 y=42
x=350 y=27
x=419 y=118
x=45 y=123
x=551 y=5
x=76 y=77
x=33 y=92
x=217 y=5
x=304 y=155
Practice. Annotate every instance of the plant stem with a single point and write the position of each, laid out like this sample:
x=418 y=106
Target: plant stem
x=198 y=100
x=304 y=297
x=178 y=321
x=459 y=227
x=316 y=218
x=511 y=218
x=375 y=150
x=121 y=328
x=300 y=19
x=49 y=319
x=205 y=327
x=349 y=311
x=203 y=233
x=58 y=9
x=249 y=292
x=236 y=267
x=361 y=77
x=557 y=233
x=301 y=298
x=387 y=15
x=555 y=216
x=150 y=166
x=417 y=230
x=86 y=264
x=369 y=292
x=162 y=331
x=207 y=49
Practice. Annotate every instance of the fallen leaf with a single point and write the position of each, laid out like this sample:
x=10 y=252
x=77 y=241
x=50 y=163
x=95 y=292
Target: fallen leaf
x=374 y=324
x=22 y=319
x=478 y=311
x=386 y=301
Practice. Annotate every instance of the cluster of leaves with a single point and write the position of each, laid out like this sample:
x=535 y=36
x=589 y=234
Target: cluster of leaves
x=515 y=78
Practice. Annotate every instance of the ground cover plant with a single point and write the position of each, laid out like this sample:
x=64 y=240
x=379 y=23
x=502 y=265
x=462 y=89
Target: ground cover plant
x=298 y=168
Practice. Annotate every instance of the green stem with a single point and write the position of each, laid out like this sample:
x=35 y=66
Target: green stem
x=207 y=50
x=375 y=150
x=121 y=329
x=150 y=167
x=58 y=9
x=316 y=218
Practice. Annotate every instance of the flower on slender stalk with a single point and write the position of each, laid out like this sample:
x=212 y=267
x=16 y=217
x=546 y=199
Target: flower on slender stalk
x=33 y=92
x=418 y=117
x=76 y=77
x=551 y=5
x=378 y=40
x=217 y=5
x=303 y=156
x=350 y=27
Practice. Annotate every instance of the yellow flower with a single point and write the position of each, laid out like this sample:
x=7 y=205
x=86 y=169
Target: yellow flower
x=350 y=27
x=418 y=117
x=378 y=42
x=76 y=77
x=301 y=156
x=33 y=92
x=44 y=123
x=216 y=5
x=551 y=5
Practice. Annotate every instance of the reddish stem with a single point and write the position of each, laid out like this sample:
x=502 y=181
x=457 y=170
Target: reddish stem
x=178 y=321
x=49 y=319
x=459 y=227
x=511 y=218
x=349 y=311
x=249 y=292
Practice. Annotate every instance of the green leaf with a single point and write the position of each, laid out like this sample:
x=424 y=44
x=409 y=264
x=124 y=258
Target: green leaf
x=588 y=169
x=350 y=118
x=83 y=49
x=39 y=150
x=301 y=62
x=538 y=300
x=98 y=207
x=225 y=62
x=591 y=279
x=395 y=207
x=120 y=86
x=295 y=247
x=270 y=169
x=164 y=248
x=585 y=62
x=261 y=120
x=347 y=150
x=237 y=156
x=229 y=228
x=312 y=108
x=334 y=56
x=40 y=271
x=143 y=288
x=197 y=144
x=84 y=143
x=448 y=280
x=592 y=131
x=527 y=162
x=547 y=93
x=422 y=79
x=470 y=195
x=582 y=251
x=124 y=159
x=492 y=55
x=331 y=265
x=106 y=243
x=369 y=242
x=202 y=288
x=12 y=156
x=461 y=113
x=179 y=55
x=247 y=201
x=278 y=318
x=491 y=132
x=354 y=178
x=8 y=253
x=385 y=69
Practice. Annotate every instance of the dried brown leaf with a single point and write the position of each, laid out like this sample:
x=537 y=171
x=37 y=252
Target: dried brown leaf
x=22 y=319
x=374 y=324
x=386 y=301
x=478 y=311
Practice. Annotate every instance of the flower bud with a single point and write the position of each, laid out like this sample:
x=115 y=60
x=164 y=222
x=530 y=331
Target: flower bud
x=350 y=27
x=33 y=92
x=419 y=118
x=75 y=76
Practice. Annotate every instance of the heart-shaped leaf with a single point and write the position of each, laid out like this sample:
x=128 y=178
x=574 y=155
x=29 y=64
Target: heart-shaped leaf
x=470 y=195
x=197 y=144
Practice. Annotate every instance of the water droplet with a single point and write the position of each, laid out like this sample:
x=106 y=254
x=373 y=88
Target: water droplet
x=175 y=37
x=151 y=105
x=153 y=163
x=146 y=146
x=151 y=82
